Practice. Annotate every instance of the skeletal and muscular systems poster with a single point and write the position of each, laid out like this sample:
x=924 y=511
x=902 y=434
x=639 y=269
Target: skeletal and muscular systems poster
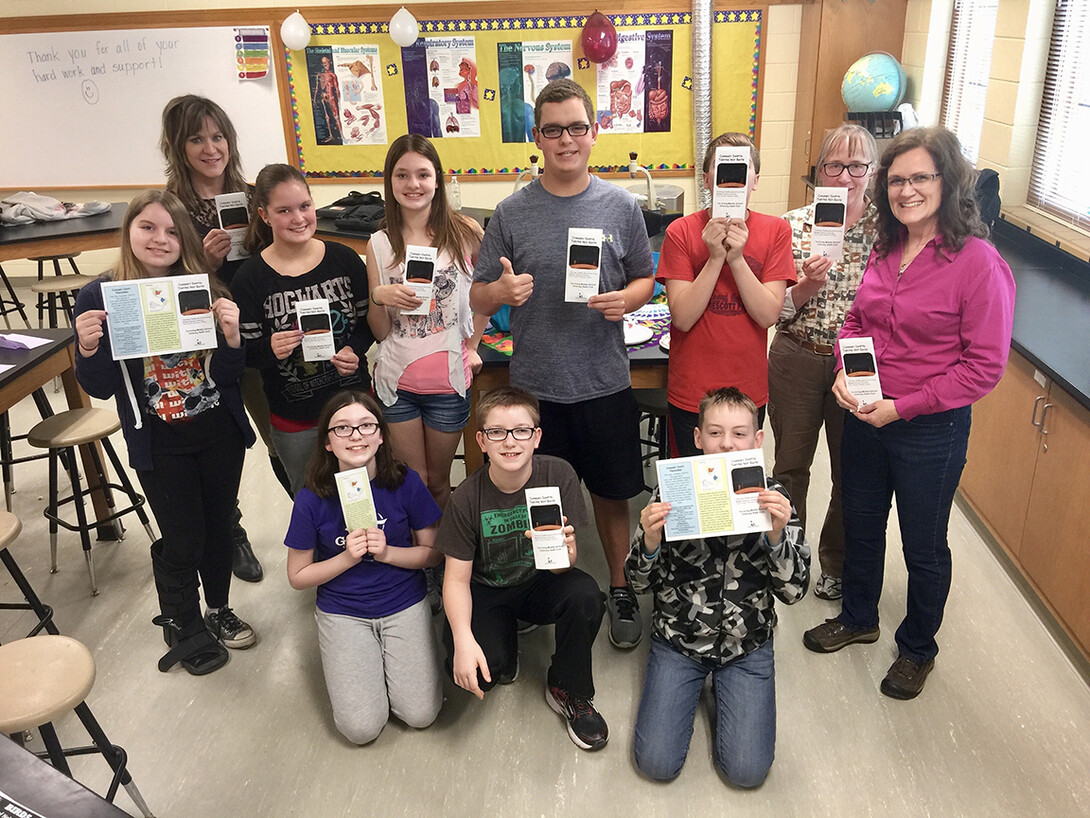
x=525 y=68
x=441 y=97
x=634 y=84
x=346 y=94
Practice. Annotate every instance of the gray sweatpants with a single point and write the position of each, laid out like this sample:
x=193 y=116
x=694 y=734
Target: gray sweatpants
x=375 y=667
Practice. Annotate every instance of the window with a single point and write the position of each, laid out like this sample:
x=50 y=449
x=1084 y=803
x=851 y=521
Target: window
x=972 y=30
x=1060 y=180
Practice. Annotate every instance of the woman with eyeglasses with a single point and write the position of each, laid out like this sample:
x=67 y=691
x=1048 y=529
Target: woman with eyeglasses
x=800 y=361
x=938 y=302
x=378 y=646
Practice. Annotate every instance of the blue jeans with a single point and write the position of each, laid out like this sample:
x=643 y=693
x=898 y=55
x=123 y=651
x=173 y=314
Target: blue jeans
x=919 y=461
x=745 y=724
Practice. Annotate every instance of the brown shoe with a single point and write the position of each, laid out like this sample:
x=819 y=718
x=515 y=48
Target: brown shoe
x=905 y=678
x=831 y=635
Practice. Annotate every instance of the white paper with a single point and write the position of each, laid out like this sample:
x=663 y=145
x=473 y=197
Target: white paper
x=733 y=175
x=27 y=341
x=419 y=275
x=830 y=211
x=317 y=327
x=861 y=369
x=357 y=502
x=581 y=279
x=234 y=215
x=713 y=495
x=159 y=316
x=547 y=528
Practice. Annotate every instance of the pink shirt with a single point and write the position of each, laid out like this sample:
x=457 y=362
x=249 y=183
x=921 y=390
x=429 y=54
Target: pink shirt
x=941 y=330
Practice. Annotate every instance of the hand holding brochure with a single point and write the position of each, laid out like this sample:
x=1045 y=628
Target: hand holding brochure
x=317 y=327
x=234 y=215
x=419 y=275
x=733 y=176
x=159 y=316
x=582 y=277
x=547 y=528
x=357 y=502
x=713 y=495
x=830 y=213
x=861 y=369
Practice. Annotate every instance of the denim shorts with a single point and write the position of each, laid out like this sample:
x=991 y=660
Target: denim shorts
x=444 y=413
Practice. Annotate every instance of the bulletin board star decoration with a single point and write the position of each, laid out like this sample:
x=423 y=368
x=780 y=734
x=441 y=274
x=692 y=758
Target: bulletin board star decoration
x=489 y=94
x=687 y=83
x=584 y=63
x=391 y=70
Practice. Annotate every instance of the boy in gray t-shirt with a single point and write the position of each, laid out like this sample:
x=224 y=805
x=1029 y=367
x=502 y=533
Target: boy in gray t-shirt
x=572 y=355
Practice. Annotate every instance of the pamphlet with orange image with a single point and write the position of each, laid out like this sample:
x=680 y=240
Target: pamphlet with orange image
x=357 y=502
x=861 y=369
x=584 y=257
x=713 y=495
x=830 y=210
x=547 y=528
x=733 y=175
x=159 y=316
x=317 y=326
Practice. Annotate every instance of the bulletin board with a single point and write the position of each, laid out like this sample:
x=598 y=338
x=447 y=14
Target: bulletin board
x=468 y=83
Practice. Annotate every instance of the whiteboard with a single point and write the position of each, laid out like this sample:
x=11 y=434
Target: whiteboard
x=84 y=108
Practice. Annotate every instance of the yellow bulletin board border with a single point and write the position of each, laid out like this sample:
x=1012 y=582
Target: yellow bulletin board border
x=735 y=71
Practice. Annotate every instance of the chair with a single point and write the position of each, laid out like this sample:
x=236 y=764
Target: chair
x=652 y=405
x=63 y=432
x=10 y=527
x=41 y=679
x=56 y=295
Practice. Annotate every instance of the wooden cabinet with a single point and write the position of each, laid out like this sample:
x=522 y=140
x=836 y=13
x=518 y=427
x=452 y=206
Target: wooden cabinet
x=1028 y=478
x=835 y=33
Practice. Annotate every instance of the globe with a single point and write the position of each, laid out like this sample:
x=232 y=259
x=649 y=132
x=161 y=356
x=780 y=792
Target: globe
x=875 y=82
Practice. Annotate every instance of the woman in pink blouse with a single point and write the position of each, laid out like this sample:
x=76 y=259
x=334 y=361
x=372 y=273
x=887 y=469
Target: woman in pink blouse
x=938 y=302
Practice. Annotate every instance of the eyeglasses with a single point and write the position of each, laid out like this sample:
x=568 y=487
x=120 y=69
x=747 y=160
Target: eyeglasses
x=855 y=169
x=576 y=129
x=498 y=435
x=917 y=180
x=365 y=429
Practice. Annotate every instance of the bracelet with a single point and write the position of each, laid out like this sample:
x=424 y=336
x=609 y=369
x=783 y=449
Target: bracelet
x=88 y=349
x=374 y=300
x=654 y=554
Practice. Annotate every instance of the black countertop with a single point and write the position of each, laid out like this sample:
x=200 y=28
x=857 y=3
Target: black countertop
x=1052 y=310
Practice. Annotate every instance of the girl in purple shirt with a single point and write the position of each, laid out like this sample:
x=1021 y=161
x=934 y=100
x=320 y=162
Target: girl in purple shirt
x=938 y=302
x=378 y=647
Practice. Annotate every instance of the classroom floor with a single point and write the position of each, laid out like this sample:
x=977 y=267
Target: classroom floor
x=1001 y=728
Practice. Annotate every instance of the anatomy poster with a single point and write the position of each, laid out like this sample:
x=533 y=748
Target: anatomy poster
x=441 y=97
x=524 y=69
x=634 y=84
x=346 y=95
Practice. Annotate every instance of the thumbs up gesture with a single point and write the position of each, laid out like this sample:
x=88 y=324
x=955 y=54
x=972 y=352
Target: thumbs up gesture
x=513 y=289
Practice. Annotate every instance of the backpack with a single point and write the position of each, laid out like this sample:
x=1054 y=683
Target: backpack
x=987 y=196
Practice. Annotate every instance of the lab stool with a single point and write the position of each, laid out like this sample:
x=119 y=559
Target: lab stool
x=63 y=433
x=41 y=679
x=10 y=302
x=652 y=405
x=56 y=260
x=58 y=295
x=7 y=455
x=10 y=526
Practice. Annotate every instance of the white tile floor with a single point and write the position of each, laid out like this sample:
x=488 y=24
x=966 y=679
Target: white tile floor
x=1003 y=727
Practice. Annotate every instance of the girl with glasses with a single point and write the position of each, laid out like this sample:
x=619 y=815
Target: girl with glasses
x=379 y=652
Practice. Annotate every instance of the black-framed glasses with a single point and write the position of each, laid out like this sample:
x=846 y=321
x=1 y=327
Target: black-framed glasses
x=855 y=169
x=498 y=435
x=917 y=180
x=365 y=429
x=576 y=129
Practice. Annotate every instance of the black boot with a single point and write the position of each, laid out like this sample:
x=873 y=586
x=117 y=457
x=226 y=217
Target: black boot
x=244 y=562
x=184 y=630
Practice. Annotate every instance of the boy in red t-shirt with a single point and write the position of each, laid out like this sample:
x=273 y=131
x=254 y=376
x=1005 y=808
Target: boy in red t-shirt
x=725 y=281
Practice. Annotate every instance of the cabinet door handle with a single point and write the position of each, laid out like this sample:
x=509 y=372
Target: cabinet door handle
x=1033 y=418
x=1044 y=414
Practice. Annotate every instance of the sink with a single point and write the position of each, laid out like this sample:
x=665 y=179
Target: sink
x=658 y=220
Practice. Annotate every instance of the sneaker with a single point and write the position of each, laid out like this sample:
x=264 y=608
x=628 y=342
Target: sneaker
x=828 y=587
x=832 y=635
x=905 y=678
x=586 y=727
x=625 y=624
x=229 y=629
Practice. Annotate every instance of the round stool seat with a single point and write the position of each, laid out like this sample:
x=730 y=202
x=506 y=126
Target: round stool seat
x=10 y=526
x=54 y=256
x=42 y=678
x=61 y=284
x=73 y=428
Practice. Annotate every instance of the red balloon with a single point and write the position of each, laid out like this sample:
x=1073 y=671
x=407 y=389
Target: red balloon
x=599 y=38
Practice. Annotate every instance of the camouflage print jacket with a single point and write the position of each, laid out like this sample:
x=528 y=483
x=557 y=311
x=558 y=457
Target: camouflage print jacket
x=713 y=597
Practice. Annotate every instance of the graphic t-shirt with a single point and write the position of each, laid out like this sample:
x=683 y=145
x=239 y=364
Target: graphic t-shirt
x=487 y=526
x=368 y=589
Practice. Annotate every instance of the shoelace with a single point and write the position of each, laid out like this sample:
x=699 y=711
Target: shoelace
x=580 y=707
x=626 y=603
x=229 y=623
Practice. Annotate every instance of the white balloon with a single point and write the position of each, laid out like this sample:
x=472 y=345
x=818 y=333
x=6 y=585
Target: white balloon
x=404 y=29
x=295 y=32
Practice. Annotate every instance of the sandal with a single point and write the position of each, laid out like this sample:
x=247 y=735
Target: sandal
x=199 y=653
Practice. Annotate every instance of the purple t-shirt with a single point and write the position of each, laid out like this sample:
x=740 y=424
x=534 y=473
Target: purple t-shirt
x=368 y=589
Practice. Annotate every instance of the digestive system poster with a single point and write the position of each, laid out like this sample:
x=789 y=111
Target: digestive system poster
x=634 y=84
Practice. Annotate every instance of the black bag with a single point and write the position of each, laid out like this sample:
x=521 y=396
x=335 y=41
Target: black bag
x=341 y=207
x=987 y=196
